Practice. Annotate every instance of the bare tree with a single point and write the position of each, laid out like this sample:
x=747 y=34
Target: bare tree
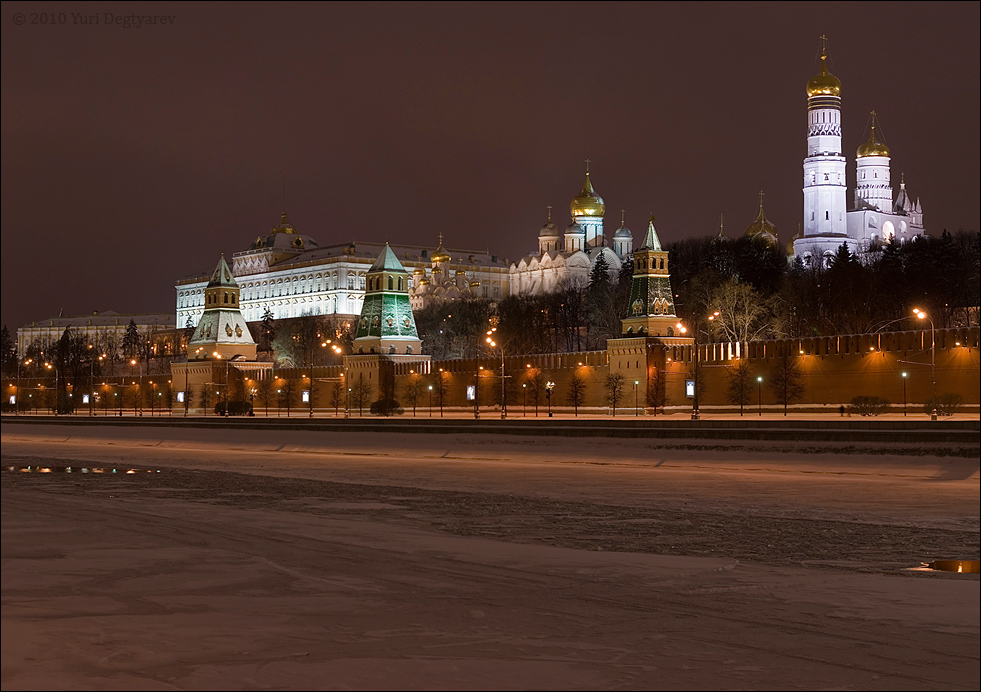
x=361 y=392
x=743 y=313
x=615 y=384
x=265 y=390
x=536 y=381
x=577 y=391
x=740 y=384
x=413 y=391
x=337 y=395
x=657 y=390
x=288 y=391
x=786 y=380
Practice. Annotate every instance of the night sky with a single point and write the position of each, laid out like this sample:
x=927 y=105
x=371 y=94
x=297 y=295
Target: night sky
x=133 y=157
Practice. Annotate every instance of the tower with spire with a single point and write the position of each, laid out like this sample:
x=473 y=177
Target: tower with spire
x=386 y=324
x=221 y=332
x=824 y=167
x=650 y=311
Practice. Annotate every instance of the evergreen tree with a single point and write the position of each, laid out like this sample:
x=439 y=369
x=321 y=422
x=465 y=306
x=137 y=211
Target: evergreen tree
x=8 y=352
x=267 y=331
x=131 y=341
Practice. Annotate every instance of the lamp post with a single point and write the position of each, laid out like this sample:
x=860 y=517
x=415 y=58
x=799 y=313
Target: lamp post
x=17 y=398
x=476 y=394
x=430 y=401
x=139 y=388
x=493 y=344
x=548 y=396
x=695 y=330
x=904 y=393
x=636 y=403
x=524 y=399
x=933 y=361
x=759 y=394
x=57 y=405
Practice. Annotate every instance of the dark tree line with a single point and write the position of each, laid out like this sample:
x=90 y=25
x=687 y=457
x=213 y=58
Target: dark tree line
x=580 y=316
x=768 y=297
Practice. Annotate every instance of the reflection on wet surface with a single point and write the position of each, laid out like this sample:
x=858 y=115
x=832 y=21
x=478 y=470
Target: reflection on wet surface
x=77 y=469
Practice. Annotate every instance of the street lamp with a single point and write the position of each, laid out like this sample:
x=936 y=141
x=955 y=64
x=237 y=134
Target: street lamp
x=17 y=398
x=759 y=394
x=933 y=360
x=524 y=399
x=430 y=401
x=504 y=404
x=636 y=404
x=904 y=393
x=139 y=389
x=57 y=393
x=548 y=396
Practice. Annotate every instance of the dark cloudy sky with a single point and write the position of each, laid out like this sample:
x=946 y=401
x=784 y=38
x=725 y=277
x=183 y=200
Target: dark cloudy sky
x=132 y=157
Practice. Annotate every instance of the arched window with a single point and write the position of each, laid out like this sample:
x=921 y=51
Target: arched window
x=400 y=283
x=390 y=283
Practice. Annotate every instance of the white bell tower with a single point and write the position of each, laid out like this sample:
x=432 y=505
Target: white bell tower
x=824 y=167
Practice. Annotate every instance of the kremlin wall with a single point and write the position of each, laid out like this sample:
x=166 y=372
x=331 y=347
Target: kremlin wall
x=833 y=369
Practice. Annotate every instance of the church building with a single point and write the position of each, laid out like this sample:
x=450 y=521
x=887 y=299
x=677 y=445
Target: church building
x=569 y=257
x=875 y=216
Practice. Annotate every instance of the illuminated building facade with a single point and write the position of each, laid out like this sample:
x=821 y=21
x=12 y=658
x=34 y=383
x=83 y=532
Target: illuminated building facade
x=291 y=275
x=569 y=257
x=874 y=217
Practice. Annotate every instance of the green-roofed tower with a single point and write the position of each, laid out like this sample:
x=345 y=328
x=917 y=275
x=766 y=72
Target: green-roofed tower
x=221 y=332
x=386 y=324
x=651 y=308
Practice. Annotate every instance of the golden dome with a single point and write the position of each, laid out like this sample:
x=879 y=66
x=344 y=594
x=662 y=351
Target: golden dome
x=587 y=202
x=824 y=83
x=873 y=147
x=284 y=226
x=762 y=227
x=440 y=255
x=790 y=245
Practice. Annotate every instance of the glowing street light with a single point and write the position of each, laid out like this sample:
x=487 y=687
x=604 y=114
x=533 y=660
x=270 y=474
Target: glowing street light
x=548 y=395
x=933 y=360
x=759 y=394
x=904 y=393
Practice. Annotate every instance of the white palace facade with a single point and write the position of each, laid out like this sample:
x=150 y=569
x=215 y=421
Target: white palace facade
x=291 y=275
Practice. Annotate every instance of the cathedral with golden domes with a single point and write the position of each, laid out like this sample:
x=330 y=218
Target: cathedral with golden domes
x=569 y=257
x=875 y=216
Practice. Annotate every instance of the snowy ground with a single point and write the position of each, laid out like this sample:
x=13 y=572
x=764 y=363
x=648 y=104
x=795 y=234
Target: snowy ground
x=260 y=559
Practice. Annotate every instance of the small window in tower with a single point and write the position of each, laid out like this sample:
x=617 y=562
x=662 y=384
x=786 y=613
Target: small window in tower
x=389 y=283
x=874 y=175
x=812 y=216
x=827 y=216
x=400 y=283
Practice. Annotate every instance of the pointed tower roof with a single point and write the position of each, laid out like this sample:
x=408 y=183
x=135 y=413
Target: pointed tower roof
x=222 y=275
x=387 y=261
x=651 y=241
